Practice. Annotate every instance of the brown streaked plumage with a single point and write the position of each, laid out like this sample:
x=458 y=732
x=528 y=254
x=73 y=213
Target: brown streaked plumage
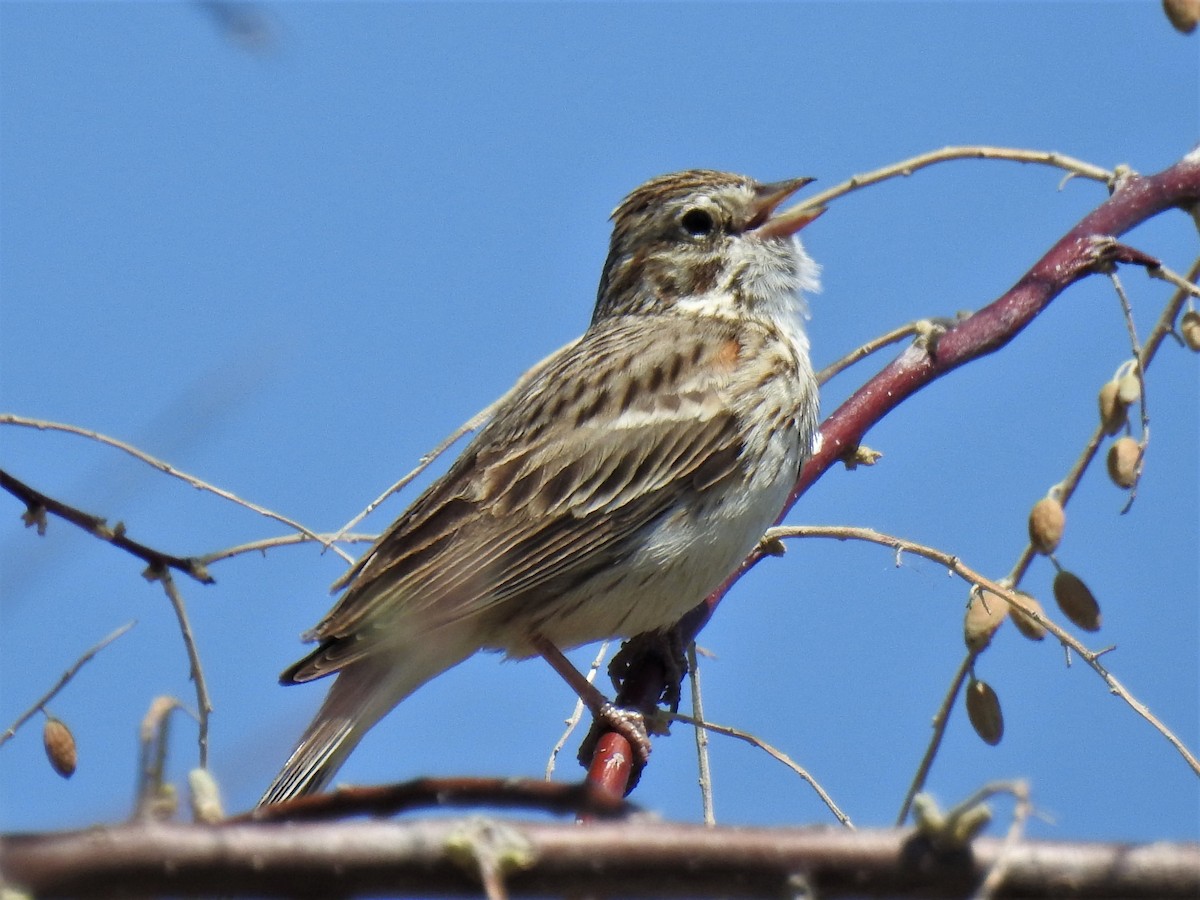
x=614 y=490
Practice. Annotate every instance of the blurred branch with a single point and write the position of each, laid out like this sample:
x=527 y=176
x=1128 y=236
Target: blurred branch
x=443 y=793
x=1088 y=248
x=63 y=681
x=164 y=467
x=38 y=504
x=627 y=858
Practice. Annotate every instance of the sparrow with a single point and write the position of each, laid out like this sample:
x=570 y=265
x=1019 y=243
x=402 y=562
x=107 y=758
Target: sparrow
x=611 y=492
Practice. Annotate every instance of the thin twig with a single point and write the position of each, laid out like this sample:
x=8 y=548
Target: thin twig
x=774 y=753
x=573 y=720
x=196 y=671
x=63 y=681
x=995 y=876
x=940 y=720
x=284 y=540
x=1063 y=492
x=164 y=467
x=702 y=762
x=1183 y=283
x=907 y=167
x=1135 y=346
x=476 y=421
x=38 y=504
x=884 y=340
x=1013 y=599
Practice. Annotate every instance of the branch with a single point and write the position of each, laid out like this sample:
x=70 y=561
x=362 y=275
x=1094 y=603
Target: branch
x=1074 y=167
x=38 y=504
x=778 y=755
x=63 y=681
x=1013 y=599
x=164 y=467
x=627 y=858
x=444 y=793
x=195 y=670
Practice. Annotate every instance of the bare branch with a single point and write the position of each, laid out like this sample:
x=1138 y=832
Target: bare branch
x=1013 y=599
x=442 y=793
x=196 y=671
x=476 y=421
x=164 y=467
x=265 y=544
x=576 y=716
x=63 y=681
x=940 y=720
x=906 y=167
x=703 y=769
x=626 y=858
x=38 y=503
x=775 y=754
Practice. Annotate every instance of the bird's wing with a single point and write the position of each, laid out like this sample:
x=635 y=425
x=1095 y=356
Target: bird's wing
x=557 y=487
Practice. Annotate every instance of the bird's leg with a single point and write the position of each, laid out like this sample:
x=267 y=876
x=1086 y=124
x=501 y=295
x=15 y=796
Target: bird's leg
x=628 y=723
x=664 y=647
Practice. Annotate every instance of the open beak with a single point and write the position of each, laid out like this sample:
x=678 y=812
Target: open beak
x=769 y=224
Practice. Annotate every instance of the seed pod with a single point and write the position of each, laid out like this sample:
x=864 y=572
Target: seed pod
x=1189 y=327
x=983 y=709
x=60 y=747
x=1076 y=601
x=1027 y=626
x=1123 y=462
x=1046 y=522
x=1183 y=14
x=1129 y=388
x=985 y=612
x=1112 y=410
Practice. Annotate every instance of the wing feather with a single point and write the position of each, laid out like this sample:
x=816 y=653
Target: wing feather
x=553 y=489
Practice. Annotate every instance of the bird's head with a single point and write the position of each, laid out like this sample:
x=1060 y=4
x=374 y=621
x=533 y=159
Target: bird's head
x=709 y=241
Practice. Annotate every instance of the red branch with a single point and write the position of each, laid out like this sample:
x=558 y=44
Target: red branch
x=1088 y=248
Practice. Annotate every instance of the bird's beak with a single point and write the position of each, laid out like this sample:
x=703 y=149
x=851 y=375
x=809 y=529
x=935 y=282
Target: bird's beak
x=769 y=224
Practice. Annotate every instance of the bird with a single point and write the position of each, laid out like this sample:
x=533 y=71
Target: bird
x=614 y=489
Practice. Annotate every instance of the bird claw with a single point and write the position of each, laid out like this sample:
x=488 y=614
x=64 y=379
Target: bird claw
x=629 y=724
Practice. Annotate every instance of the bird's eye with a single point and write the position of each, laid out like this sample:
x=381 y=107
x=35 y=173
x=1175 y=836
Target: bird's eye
x=698 y=222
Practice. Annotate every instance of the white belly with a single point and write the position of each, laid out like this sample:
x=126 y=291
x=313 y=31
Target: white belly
x=682 y=560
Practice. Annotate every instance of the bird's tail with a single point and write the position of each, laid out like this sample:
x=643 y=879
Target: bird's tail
x=363 y=693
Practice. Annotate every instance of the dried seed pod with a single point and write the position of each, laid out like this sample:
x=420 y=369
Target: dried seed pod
x=1189 y=327
x=983 y=709
x=1123 y=458
x=1112 y=410
x=60 y=747
x=1027 y=626
x=1129 y=387
x=1046 y=523
x=985 y=612
x=1076 y=601
x=1183 y=14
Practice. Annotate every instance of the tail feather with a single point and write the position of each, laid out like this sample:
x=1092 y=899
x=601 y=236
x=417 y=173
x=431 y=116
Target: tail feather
x=362 y=694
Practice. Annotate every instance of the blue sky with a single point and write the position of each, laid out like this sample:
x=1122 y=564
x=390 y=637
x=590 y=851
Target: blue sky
x=292 y=270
